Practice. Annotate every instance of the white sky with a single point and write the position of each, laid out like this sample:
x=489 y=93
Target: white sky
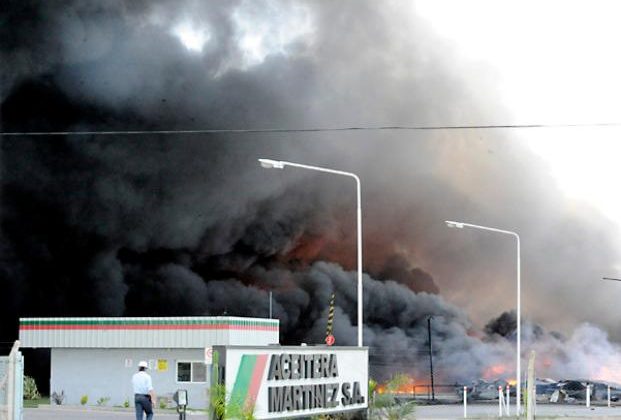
x=261 y=28
x=192 y=36
x=586 y=166
x=557 y=61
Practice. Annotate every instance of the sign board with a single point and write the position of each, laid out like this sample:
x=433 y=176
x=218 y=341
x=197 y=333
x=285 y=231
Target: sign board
x=330 y=339
x=285 y=382
x=208 y=355
x=162 y=365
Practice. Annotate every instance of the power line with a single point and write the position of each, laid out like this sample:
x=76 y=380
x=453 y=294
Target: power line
x=306 y=130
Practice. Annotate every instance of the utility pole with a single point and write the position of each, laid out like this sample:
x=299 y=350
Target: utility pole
x=433 y=394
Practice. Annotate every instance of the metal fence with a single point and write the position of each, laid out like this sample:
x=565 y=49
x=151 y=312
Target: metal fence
x=445 y=393
x=12 y=385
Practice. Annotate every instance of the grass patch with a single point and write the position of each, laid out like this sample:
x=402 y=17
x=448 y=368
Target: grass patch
x=35 y=403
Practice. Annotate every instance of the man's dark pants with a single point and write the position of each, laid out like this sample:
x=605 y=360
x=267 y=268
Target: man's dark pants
x=143 y=403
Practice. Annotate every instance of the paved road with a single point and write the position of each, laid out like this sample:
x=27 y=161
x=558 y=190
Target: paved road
x=444 y=412
x=448 y=412
x=75 y=413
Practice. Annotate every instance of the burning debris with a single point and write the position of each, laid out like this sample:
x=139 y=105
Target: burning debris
x=569 y=391
x=547 y=390
x=484 y=390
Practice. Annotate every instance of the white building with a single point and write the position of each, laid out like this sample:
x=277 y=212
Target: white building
x=96 y=357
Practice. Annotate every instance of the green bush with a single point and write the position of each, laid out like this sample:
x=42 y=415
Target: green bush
x=126 y=403
x=217 y=400
x=103 y=401
x=163 y=403
x=222 y=405
x=30 y=389
x=84 y=399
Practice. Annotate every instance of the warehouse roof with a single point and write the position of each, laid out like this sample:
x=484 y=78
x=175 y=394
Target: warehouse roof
x=147 y=332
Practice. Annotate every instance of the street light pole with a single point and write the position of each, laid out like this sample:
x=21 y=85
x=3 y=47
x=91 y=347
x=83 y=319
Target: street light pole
x=433 y=392
x=279 y=164
x=461 y=225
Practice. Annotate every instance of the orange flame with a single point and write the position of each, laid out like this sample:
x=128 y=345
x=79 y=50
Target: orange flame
x=408 y=387
x=500 y=371
x=495 y=372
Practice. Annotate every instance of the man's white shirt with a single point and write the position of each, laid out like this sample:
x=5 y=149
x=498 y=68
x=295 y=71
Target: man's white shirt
x=141 y=381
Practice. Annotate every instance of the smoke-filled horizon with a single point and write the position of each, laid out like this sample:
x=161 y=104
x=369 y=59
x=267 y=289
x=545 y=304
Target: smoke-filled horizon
x=191 y=225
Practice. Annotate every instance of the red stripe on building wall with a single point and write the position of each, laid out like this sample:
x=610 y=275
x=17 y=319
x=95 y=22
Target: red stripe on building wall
x=255 y=381
x=149 y=327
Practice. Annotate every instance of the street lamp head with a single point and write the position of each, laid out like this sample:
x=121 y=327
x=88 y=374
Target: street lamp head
x=454 y=224
x=271 y=164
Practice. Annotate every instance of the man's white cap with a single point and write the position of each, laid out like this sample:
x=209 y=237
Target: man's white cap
x=143 y=364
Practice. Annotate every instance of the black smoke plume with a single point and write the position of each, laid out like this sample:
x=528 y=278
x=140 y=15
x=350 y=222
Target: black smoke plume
x=505 y=325
x=165 y=224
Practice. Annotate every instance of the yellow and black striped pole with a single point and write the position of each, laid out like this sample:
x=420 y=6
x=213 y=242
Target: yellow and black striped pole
x=329 y=336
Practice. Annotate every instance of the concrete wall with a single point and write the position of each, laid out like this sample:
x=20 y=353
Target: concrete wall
x=103 y=373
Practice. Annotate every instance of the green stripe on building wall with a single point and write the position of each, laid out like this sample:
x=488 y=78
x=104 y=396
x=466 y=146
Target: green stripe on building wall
x=145 y=322
x=242 y=381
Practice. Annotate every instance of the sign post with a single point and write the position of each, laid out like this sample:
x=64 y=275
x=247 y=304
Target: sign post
x=465 y=402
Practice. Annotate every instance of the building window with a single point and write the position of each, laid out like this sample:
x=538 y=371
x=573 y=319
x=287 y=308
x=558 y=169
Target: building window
x=191 y=372
x=199 y=372
x=184 y=370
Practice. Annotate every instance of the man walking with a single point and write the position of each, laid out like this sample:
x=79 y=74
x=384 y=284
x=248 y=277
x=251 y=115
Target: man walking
x=144 y=396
